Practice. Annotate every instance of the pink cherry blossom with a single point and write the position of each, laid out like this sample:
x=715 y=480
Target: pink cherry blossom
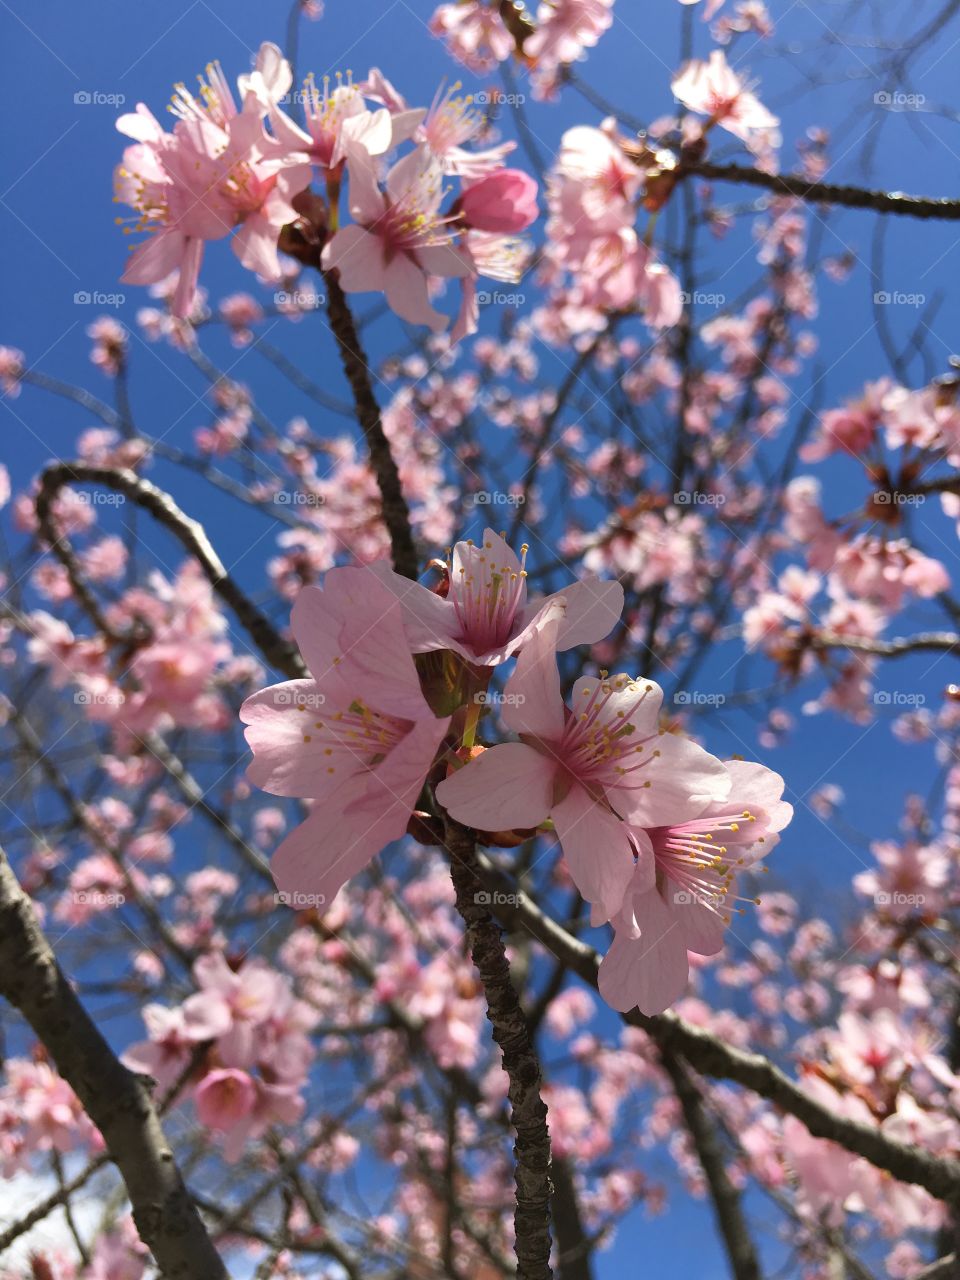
x=474 y=33
x=399 y=238
x=689 y=906
x=485 y=615
x=504 y=201
x=580 y=766
x=357 y=738
x=337 y=118
x=218 y=172
x=225 y=1099
x=714 y=89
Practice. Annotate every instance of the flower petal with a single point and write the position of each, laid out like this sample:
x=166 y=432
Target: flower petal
x=507 y=786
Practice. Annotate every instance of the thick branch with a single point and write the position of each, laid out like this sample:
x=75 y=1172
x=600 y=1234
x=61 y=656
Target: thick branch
x=794 y=184
x=528 y=1110
x=189 y=532
x=713 y=1057
x=396 y=513
x=744 y=1264
x=116 y=1100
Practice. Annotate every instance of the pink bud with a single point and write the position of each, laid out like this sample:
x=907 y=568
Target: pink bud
x=506 y=202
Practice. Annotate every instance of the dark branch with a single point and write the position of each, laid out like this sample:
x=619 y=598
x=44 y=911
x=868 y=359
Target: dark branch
x=528 y=1110
x=794 y=184
x=116 y=1100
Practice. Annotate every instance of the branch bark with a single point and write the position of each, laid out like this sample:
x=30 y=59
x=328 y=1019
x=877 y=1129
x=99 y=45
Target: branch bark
x=520 y=1062
x=795 y=184
x=396 y=513
x=711 y=1056
x=116 y=1100
x=945 y=641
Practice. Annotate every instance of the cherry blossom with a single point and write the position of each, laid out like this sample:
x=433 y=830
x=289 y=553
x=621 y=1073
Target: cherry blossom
x=357 y=738
x=483 y=612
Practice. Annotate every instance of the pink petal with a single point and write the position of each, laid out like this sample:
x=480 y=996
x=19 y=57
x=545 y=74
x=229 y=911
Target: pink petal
x=316 y=630
x=445 y=260
x=646 y=967
x=684 y=779
x=406 y=288
x=189 y=274
x=155 y=258
x=373 y=644
x=534 y=702
x=430 y=622
x=508 y=786
x=255 y=244
x=359 y=258
x=593 y=610
x=366 y=200
x=279 y=719
x=597 y=848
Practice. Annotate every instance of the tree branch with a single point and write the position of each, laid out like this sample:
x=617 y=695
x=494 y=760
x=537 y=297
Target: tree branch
x=396 y=513
x=116 y=1100
x=277 y=651
x=713 y=1057
x=948 y=641
x=528 y=1110
x=794 y=184
x=744 y=1264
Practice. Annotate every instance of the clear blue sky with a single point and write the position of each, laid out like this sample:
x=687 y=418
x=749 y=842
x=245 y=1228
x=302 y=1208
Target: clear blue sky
x=57 y=239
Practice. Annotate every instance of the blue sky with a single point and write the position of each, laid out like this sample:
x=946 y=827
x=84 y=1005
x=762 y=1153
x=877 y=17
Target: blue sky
x=66 y=67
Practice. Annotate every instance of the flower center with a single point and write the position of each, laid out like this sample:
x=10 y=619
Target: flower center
x=692 y=859
x=603 y=747
x=487 y=596
x=358 y=738
x=326 y=110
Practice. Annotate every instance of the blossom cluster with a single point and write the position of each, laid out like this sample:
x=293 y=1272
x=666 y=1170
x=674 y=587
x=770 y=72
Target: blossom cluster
x=240 y=1045
x=654 y=830
x=244 y=172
